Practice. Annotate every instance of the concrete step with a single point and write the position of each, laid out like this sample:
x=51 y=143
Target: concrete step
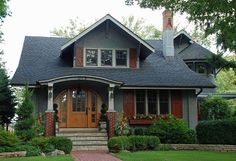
x=78 y=130
x=78 y=138
x=89 y=142
x=79 y=134
x=94 y=147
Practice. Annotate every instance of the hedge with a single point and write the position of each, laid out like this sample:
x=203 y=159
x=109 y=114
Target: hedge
x=133 y=143
x=217 y=132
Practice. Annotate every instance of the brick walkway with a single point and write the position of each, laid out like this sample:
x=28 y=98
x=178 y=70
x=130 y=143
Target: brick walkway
x=93 y=156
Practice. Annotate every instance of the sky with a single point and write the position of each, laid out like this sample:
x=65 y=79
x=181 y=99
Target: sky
x=39 y=17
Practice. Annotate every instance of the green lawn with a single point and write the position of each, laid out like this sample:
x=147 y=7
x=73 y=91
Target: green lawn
x=177 y=156
x=58 y=158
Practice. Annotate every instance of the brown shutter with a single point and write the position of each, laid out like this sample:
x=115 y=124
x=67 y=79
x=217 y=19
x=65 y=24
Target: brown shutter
x=132 y=58
x=128 y=103
x=79 y=57
x=177 y=103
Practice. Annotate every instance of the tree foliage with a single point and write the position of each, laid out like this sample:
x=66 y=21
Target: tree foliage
x=7 y=98
x=214 y=108
x=24 y=127
x=136 y=25
x=213 y=17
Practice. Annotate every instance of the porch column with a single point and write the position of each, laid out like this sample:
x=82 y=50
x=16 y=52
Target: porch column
x=111 y=113
x=49 y=113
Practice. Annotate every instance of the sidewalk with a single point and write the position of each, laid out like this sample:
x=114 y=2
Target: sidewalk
x=93 y=156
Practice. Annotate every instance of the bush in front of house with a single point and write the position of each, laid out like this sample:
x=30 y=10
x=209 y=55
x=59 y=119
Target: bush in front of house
x=49 y=144
x=214 y=107
x=217 y=131
x=133 y=143
x=8 y=139
x=30 y=150
x=61 y=143
x=172 y=130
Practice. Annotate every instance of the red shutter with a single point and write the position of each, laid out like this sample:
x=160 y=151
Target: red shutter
x=132 y=58
x=128 y=107
x=79 y=57
x=177 y=103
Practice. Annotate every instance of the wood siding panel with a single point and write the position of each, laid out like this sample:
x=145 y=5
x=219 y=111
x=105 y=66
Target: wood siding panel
x=177 y=103
x=79 y=60
x=128 y=106
x=132 y=58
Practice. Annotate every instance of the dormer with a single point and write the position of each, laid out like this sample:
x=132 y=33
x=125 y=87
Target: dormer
x=106 y=44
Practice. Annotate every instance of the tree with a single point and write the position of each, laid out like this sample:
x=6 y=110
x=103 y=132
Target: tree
x=24 y=127
x=213 y=108
x=136 y=25
x=213 y=17
x=71 y=30
x=7 y=99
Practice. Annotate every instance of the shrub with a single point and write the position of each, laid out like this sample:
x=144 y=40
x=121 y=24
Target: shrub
x=213 y=108
x=217 y=132
x=25 y=120
x=172 y=130
x=30 y=150
x=43 y=144
x=61 y=143
x=8 y=139
x=139 y=131
x=122 y=126
x=133 y=143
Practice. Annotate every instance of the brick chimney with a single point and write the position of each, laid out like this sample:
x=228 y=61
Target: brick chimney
x=167 y=35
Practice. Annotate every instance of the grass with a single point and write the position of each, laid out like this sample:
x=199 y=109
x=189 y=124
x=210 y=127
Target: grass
x=40 y=158
x=177 y=156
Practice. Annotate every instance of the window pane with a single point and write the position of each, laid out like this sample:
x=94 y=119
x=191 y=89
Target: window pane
x=74 y=99
x=140 y=102
x=63 y=108
x=81 y=97
x=91 y=57
x=121 y=57
x=164 y=101
x=152 y=102
x=201 y=68
x=93 y=103
x=190 y=65
x=106 y=57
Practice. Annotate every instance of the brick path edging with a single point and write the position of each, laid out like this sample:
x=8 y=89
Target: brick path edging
x=210 y=147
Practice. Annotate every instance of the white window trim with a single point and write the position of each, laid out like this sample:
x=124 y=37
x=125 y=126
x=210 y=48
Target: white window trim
x=158 y=103
x=99 y=62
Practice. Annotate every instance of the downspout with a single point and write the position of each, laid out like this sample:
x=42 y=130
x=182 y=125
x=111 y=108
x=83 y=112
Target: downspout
x=199 y=92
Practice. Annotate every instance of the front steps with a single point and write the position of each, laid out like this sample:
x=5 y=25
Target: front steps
x=85 y=138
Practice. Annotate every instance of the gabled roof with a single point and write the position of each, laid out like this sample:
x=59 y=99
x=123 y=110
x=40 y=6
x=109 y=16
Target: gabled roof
x=40 y=62
x=184 y=33
x=107 y=17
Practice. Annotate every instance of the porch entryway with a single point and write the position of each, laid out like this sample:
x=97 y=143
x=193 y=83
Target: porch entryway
x=78 y=108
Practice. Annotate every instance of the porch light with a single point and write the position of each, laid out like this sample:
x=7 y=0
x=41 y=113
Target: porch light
x=112 y=95
x=50 y=92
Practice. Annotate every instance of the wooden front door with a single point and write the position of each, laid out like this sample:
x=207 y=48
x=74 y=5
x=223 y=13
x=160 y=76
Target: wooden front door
x=78 y=109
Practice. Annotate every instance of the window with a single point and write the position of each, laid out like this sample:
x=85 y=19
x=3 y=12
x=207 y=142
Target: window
x=78 y=101
x=201 y=68
x=121 y=57
x=91 y=57
x=152 y=102
x=191 y=66
x=148 y=102
x=140 y=102
x=164 y=101
x=106 y=57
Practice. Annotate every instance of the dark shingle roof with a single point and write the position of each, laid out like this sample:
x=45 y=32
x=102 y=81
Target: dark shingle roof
x=40 y=61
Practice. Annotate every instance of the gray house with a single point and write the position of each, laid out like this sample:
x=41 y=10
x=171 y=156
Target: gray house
x=109 y=64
